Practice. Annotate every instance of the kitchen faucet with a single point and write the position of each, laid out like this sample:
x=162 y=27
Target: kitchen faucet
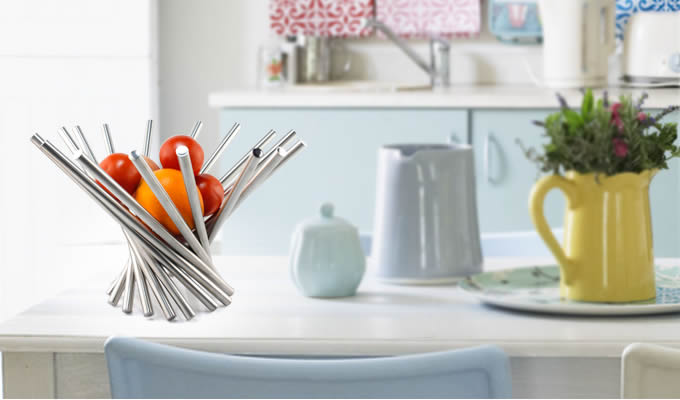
x=438 y=68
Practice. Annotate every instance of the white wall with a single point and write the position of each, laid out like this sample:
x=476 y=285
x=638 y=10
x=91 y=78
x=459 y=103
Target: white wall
x=64 y=63
x=211 y=45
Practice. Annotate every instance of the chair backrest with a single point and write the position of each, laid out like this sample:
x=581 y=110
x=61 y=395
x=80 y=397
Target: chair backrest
x=140 y=369
x=650 y=371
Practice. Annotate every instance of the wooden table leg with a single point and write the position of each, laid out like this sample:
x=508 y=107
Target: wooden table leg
x=28 y=375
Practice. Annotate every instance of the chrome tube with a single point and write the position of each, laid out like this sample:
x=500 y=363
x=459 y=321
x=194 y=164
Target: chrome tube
x=137 y=265
x=114 y=282
x=147 y=138
x=169 y=286
x=117 y=292
x=68 y=139
x=184 y=160
x=234 y=170
x=107 y=138
x=281 y=143
x=197 y=129
x=192 y=265
x=166 y=307
x=220 y=148
x=249 y=169
x=169 y=206
x=197 y=290
x=84 y=145
x=132 y=204
x=280 y=157
x=129 y=291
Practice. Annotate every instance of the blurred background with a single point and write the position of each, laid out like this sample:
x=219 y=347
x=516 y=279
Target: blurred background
x=88 y=62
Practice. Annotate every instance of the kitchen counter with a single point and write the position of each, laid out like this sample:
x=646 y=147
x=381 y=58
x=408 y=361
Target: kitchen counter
x=61 y=340
x=369 y=94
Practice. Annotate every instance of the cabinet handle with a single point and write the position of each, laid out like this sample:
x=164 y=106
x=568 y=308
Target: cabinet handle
x=487 y=157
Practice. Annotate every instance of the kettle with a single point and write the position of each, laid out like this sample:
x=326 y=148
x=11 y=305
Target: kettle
x=578 y=37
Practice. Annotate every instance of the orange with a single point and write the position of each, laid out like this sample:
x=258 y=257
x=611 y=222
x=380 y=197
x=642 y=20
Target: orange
x=173 y=183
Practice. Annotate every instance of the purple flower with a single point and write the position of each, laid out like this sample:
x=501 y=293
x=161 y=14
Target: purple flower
x=620 y=147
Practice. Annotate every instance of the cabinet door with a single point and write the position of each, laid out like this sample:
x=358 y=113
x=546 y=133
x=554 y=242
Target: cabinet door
x=504 y=175
x=338 y=165
x=664 y=196
x=505 y=178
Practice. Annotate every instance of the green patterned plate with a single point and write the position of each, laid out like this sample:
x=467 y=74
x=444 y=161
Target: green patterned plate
x=536 y=289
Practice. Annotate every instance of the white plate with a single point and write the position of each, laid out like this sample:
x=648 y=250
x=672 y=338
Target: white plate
x=536 y=289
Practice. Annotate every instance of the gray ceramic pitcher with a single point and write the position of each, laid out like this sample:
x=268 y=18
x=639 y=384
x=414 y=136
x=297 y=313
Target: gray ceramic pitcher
x=426 y=229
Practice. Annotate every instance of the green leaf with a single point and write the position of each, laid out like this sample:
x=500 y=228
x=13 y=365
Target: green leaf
x=573 y=119
x=587 y=104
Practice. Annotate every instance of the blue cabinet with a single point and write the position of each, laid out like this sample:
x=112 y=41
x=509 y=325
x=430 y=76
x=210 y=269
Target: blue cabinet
x=504 y=175
x=664 y=196
x=505 y=178
x=339 y=165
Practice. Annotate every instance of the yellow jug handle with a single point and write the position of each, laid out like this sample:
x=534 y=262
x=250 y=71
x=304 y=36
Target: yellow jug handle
x=536 y=200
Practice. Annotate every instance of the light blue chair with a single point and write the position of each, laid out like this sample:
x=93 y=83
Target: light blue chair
x=140 y=369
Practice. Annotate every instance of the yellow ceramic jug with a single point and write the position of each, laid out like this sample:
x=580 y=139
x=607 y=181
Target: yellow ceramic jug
x=607 y=254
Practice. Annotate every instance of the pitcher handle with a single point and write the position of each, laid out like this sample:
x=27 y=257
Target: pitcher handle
x=536 y=200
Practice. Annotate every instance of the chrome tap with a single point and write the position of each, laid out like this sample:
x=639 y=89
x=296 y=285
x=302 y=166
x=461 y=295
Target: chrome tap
x=437 y=69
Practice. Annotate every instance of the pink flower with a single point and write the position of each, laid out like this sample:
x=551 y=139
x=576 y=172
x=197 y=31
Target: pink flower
x=620 y=147
x=615 y=109
x=641 y=116
x=619 y=124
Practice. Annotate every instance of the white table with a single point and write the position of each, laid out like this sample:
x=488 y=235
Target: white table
x=55 y=348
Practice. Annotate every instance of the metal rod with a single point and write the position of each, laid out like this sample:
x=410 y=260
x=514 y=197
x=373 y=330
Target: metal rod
x=117 y=292
x=220 y=148
x=249 y=169
x=169 y=286
x=169 y=206
x=84 y=145
x=197 y=290
x=234 y=170
x=197 y=129
x=274 y=163
x=107 y=138
x=184 y=160
x=156 y=289
x=140 y=281
x=193 y=265
x=281 y=143
x=68 y=139
x=116 y=281
x=203 y=272
x=129 y=291
x=132 y=204
x=147 y=138
x=263 y=172
x=147 y=307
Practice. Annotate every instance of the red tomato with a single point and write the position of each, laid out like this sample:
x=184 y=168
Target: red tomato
x=168 y=156
x=151 y=163
x=211 y=191
x=121 y=169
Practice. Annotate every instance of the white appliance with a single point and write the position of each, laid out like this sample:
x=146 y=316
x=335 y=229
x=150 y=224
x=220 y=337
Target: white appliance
x=578 y=37
x=651 y=49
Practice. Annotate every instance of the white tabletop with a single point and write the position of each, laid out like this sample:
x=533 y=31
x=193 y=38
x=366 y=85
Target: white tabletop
x=269 y=316
x=368 y=94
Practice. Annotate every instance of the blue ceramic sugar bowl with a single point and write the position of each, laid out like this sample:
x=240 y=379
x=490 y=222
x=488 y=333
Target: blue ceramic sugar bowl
x=326 y=256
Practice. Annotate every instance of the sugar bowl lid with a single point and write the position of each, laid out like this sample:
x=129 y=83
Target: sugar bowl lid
x=327 y=222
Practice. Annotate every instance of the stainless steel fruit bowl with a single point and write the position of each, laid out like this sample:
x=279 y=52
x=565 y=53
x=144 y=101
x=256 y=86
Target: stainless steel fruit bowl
x=164 y=271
